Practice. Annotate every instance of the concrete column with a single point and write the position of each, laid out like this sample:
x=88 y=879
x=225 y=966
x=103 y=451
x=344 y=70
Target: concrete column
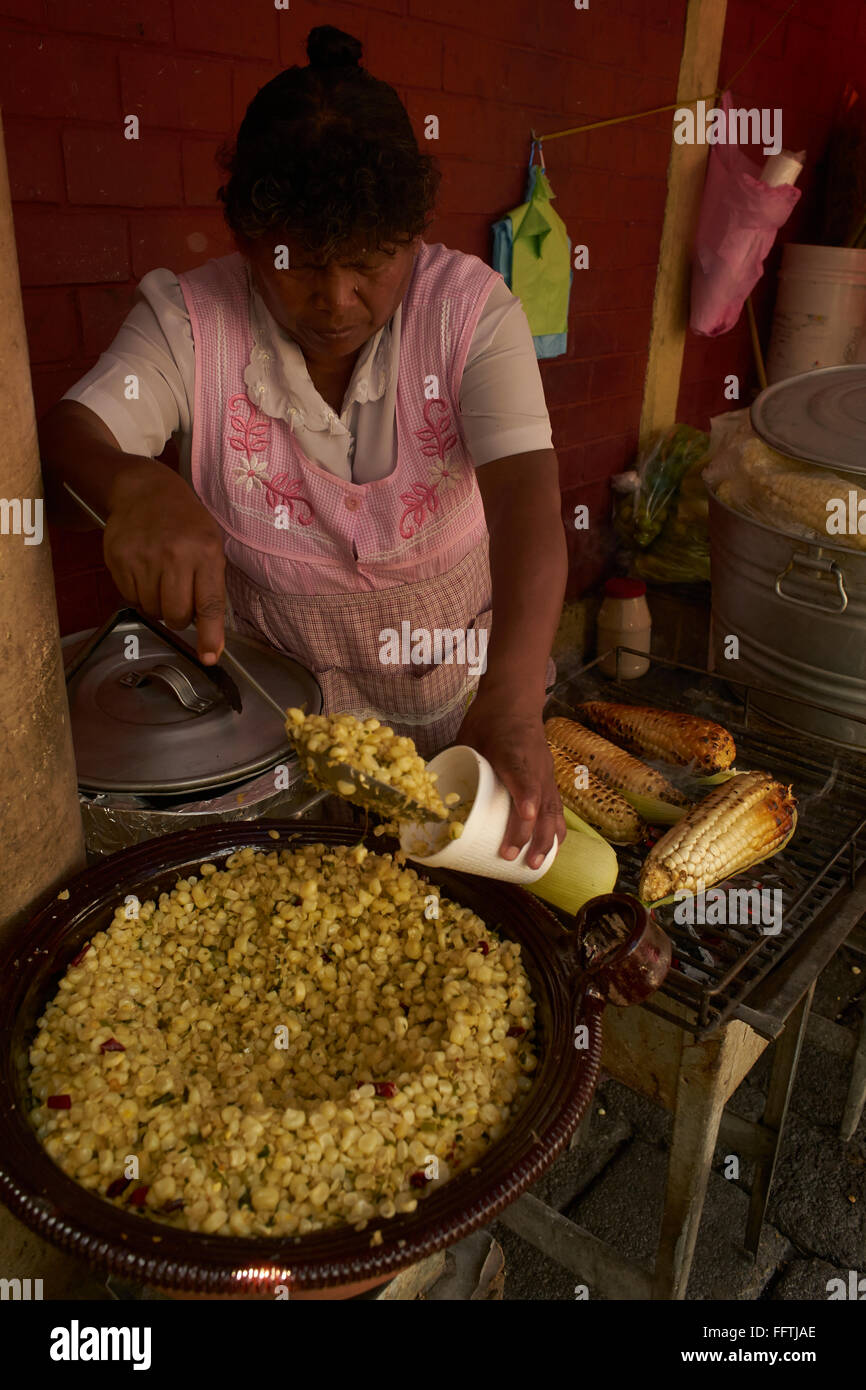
x=41 y=840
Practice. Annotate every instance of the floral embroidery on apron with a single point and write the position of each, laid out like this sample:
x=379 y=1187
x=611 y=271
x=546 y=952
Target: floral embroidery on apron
x=251 y=437
x=437 y=439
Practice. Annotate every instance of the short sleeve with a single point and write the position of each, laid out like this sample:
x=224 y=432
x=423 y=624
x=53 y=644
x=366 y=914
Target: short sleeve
x=502 y=405
x=142 y=386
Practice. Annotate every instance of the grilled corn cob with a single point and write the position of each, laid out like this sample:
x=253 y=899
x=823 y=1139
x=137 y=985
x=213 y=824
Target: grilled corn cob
x=740 y=822
x=596 y=803
x=657 y=733
x=611 y=764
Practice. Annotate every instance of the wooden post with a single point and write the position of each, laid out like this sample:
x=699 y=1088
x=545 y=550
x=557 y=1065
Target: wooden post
x=699 y=74
x=41 y=839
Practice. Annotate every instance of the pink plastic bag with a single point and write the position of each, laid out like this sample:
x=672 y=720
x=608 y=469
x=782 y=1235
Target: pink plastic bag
x=740 y=217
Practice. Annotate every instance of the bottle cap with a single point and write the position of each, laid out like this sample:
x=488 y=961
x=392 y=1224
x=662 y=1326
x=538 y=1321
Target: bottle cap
x=625 y=588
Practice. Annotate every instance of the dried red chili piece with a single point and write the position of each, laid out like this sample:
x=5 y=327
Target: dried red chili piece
x=515 y=1031
x=484 y=947
x=138 y=1196
x=76 y=960
x=173 y=1206
x=418 y=1179
x=111 y=1045
x=115 y=1188
x=385 y=1088
x=59 y=1102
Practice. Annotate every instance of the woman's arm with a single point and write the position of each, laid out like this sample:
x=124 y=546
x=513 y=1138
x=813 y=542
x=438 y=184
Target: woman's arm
x=162 y=547
x=528 y=562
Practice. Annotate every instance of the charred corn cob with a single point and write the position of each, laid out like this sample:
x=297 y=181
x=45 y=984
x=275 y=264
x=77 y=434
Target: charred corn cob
x=595 y=802
x=740 y=822
x=610 y=764
x=657 y=733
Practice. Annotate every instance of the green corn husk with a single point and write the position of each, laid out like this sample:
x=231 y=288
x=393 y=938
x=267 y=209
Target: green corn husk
x=649 y=808
x=717 y=777
x=652 y=810
x=581 y=870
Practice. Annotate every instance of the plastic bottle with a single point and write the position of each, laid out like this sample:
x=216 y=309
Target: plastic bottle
x=624 y=621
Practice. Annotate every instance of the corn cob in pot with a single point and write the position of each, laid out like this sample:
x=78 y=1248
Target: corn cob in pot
x=739 y=823
x=596 y=803
x=682 y=739
x=610 y=764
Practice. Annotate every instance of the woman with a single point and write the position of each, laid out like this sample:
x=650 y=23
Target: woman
x=360 y=422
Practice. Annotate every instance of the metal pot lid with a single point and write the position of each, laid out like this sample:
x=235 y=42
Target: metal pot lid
x=144 y=719
x=819 y=417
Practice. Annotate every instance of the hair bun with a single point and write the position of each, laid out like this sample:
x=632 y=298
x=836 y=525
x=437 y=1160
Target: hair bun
x=328 y=47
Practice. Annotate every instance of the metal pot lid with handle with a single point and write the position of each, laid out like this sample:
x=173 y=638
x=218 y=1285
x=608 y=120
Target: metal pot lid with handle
x=146 y=719
x=819 y=417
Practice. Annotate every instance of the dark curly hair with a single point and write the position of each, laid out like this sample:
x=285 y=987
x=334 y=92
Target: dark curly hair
x=327 y=155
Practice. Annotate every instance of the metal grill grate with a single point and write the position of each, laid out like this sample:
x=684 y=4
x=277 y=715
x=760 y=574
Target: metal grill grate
x=717 y=967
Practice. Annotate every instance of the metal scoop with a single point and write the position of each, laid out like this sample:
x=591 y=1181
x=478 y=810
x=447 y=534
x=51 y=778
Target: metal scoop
x=368 y=792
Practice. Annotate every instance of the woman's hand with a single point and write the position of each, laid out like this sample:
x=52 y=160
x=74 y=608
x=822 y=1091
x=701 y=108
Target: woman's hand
x=165 y=553
x=511 y=737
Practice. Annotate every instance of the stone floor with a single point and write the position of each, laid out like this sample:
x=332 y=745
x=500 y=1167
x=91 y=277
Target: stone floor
x=613 y=1184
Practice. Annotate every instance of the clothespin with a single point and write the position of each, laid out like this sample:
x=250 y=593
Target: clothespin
x=536 y=145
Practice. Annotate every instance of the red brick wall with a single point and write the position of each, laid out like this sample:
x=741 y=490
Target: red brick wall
x=95 y=212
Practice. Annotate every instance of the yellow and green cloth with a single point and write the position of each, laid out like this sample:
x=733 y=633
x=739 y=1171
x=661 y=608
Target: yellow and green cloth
x=532 y=252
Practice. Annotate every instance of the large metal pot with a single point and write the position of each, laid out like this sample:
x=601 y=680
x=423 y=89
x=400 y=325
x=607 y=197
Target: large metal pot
x=159 y=750
x=798 y=610
x=134 y=1248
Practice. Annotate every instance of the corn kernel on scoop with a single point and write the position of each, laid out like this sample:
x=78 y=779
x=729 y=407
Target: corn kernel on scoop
x=334 y=751
x=359 y=787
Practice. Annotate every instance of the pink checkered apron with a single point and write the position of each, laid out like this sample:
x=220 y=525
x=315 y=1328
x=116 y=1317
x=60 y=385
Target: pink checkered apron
x=321 y=568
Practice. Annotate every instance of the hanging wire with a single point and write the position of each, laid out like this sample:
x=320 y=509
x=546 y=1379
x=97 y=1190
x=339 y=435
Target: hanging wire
x=674 y=106
x=768 y=35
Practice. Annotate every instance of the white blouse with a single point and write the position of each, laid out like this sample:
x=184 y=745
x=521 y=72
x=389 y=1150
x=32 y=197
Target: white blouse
x=502 y=406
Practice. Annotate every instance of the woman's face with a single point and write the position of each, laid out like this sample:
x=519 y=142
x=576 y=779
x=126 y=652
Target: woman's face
x=330 y=308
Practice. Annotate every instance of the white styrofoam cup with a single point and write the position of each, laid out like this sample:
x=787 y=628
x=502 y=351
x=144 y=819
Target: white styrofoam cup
x=460 y=769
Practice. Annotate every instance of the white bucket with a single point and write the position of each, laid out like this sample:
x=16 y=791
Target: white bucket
x=460 y=769
x=820 y=317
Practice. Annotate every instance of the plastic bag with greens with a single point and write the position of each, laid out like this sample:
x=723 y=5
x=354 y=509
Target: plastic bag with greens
x=661 y=509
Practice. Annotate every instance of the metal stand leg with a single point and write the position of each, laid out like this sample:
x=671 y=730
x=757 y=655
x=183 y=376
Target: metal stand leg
x=784 y=1071
x=856 y=1097
x=699 y=1105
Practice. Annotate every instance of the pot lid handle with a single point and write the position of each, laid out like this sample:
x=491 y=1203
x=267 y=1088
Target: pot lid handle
x=189 y=695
